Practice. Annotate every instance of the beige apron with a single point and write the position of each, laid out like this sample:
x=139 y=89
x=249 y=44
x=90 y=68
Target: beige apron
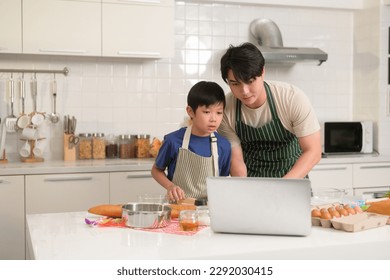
x=192 y=170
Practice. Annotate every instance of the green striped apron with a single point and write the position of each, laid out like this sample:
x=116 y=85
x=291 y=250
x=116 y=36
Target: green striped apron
x=192 y=170
x=270 y=150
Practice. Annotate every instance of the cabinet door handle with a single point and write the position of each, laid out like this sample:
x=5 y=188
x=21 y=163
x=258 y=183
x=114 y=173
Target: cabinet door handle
x=141 y=1
x=3 y=181
x=138 y=176
x=140 y=54
x=59 y=179
x=374 y=166
x=62 y=51
x=329 y=168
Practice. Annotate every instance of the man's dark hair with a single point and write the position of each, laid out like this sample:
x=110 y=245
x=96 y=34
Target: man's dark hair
x=246 y=62
x=205 y=94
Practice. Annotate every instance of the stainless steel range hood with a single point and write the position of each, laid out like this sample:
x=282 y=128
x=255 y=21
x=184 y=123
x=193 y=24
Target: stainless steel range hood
x=269 y=38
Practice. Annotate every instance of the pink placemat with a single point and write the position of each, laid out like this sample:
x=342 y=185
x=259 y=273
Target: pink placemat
x=172 y=228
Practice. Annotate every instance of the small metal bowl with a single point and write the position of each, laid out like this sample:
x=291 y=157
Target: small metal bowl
x=146 y=215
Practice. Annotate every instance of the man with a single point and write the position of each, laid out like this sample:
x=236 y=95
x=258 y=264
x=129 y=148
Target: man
x=272 y=126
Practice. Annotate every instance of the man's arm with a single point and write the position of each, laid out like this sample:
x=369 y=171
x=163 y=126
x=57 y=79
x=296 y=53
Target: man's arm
x=311 y=155
x=237 y=166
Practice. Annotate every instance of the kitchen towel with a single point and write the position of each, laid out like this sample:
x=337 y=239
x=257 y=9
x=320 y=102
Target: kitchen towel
x=172 y=228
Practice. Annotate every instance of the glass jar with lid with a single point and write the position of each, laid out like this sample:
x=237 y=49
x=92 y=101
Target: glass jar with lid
x=98 y=146
x=85 y=146
x=133 y=146
x=124 y=144
x=143 y=145
x=111 y=146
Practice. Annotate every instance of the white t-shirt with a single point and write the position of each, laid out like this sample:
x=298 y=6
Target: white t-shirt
x=292 y=106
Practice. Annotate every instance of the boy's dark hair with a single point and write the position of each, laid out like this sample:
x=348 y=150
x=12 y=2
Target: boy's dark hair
x=205 y=94
x=246 y=62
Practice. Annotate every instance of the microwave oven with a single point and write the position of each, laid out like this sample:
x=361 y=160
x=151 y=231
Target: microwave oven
x=347 y=137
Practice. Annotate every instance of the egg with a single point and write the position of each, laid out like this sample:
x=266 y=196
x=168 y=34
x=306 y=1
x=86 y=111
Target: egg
x=326 y=215
x=333 y=212
x=316 y=213
x=358 y=209
x=350 y=210
x=343 y=212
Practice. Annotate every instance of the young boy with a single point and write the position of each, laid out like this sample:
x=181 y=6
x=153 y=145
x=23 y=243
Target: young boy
x=191 y=154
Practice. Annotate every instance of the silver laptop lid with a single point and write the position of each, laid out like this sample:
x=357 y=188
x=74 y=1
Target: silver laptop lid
x=273 y=206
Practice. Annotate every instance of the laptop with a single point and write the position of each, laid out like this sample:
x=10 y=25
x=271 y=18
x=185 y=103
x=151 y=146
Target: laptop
x=249 y=205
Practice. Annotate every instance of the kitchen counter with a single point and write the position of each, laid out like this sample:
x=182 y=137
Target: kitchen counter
x=78 y=166
x=112 y=165
x=66 y=236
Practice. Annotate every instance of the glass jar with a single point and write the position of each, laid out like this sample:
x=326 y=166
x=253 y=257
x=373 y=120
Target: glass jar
x=111 y=146
x=143 y=145
x=132 y=146
x=98 y=146
x=124 y=144
x=85 y=146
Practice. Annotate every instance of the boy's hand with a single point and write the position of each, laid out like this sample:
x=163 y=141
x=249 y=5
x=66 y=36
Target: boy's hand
x=175 y=193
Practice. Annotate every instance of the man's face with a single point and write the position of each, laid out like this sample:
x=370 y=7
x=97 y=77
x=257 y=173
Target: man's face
x=251 y=94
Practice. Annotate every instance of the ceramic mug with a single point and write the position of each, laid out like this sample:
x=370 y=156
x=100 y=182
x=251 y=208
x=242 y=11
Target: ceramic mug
x=25 y=150
x=39 y=147
x=30 y=133
x=37 y=119
x=23 y=121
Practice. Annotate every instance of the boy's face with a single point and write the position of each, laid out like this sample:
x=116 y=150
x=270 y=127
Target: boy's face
x=206 y=120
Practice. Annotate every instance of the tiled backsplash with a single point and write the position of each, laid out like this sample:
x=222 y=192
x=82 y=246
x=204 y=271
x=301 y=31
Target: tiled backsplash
x=133 y=96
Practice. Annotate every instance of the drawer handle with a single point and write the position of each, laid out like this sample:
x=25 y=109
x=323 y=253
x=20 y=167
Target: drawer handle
x=138 y=176
x=140 y=54
x=141 y=1
x=3 y=181
x=68 y=179
x=374 y=166
x=62 y=51
x=328 y=168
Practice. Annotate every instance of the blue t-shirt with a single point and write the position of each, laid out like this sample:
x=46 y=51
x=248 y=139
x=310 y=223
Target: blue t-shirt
x=169 y=151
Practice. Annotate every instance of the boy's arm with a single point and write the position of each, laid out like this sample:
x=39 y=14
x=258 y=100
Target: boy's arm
x=174 y=192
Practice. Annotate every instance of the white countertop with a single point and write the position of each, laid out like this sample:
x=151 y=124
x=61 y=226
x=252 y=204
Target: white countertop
x=78 y=166
x=112 y=165
x=66 y=236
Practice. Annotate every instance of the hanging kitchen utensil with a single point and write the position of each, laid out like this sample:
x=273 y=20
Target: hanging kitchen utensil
x=34 y=92
x=3 y=157
x=23 y=120
x=54 y=116
x=11 y=119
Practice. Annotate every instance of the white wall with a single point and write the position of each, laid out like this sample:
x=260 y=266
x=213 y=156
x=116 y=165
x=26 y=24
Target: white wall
x=133 y=96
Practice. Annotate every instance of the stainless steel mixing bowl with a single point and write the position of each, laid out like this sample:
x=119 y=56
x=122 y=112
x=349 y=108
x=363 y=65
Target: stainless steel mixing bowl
x=146 y=215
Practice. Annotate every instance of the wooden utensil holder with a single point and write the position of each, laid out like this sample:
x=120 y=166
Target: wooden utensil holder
x=69 y=151
x=31 y=157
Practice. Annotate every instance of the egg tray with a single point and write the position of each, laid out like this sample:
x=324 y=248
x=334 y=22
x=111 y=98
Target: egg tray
x=352 y=223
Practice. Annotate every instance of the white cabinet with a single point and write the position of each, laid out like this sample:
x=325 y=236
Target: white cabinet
x=10 y=26
x=66 y=192
x=127 y=186
x=371 y=175
x=367 y=179
x=138 y=28
x=12 y=218
x=332 y=176
x=62 y=27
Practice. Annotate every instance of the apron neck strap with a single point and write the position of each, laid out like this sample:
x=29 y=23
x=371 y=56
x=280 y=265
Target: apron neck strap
x=214 y=147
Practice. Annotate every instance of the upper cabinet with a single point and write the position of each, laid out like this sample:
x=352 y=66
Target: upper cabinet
x=10 y=26
x=62 y=27
x=138 y=28
x=109 y=28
